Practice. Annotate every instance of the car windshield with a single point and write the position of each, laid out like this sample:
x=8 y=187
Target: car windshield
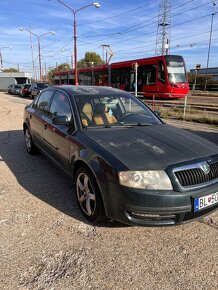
x=42 y=86
x=114 y=110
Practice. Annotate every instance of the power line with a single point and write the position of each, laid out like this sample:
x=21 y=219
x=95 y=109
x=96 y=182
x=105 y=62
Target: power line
x=145 y=34
x=130 y=29
x=123 y=13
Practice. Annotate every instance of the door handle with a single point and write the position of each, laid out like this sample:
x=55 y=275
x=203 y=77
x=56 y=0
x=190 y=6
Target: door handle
x=45 y=126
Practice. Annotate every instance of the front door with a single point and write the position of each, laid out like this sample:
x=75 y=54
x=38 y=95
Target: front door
x=57 y=137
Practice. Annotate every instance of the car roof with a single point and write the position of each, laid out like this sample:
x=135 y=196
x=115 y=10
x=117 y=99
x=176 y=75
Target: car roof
x=87 y=90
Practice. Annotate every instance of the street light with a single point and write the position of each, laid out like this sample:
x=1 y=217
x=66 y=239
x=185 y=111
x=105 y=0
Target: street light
x=1 y=58
x=208 y=55
x=96 y=5
x=39 y=49
x=31 y=47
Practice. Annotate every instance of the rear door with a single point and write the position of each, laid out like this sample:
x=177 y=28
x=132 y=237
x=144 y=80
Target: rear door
x=37 y=115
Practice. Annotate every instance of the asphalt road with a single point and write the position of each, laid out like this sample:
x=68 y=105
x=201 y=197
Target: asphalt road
x=47 y=244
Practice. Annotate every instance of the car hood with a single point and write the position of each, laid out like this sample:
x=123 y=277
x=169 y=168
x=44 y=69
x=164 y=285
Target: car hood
x=151 y=147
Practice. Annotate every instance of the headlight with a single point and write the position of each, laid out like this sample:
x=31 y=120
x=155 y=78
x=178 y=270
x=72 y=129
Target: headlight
x=151 y=180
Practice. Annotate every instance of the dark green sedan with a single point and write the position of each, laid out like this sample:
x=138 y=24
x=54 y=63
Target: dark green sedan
x=126 y=164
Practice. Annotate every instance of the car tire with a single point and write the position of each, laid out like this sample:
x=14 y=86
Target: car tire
x=89 y=196
x=30 y=147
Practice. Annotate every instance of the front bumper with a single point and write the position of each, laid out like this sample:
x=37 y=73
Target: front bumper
x=154 y=208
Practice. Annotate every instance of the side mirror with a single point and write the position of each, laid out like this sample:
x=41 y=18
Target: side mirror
x=60 y=120
x=157 y=113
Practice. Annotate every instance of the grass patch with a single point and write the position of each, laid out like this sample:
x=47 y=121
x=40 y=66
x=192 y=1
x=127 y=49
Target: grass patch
x=192 y=115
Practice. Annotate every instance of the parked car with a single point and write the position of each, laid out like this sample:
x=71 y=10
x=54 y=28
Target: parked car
x=36 y=88
x=9 y=89
x=25 y=90
x=126 y=164
x=15 y=90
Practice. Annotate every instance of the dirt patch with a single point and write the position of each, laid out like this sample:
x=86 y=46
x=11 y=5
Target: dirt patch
x=50 y=269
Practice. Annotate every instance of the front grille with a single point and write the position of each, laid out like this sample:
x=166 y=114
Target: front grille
x=196 y=176
x=194 y=215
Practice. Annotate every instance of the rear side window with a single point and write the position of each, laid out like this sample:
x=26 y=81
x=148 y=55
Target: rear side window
x=44 y=100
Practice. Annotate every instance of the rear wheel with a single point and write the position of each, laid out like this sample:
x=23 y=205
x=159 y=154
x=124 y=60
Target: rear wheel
x=29 y=142
x=89 y=196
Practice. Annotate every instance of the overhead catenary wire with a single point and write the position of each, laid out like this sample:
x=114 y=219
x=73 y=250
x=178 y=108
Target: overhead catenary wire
x=126 y=33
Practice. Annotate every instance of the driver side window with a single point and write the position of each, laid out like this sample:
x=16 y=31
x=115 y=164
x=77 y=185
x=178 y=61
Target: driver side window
x=60 y=106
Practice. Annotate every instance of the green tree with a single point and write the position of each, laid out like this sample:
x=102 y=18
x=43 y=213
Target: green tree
x=91 y=58
x=60 y=67
x=11 y=69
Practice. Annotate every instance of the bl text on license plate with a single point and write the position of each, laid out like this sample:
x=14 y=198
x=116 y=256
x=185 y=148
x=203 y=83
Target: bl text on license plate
x=205 y=201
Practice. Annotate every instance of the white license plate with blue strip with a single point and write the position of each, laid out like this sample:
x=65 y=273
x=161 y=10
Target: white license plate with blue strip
x=205 y=201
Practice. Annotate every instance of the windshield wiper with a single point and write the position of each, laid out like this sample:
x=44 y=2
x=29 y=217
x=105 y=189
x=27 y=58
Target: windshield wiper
x=120 y=124
x=139 y=124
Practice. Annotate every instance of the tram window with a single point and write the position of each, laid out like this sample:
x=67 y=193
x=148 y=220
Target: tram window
x=98 y=78
x=115 y=78
x=149 y=74
x=161 y=74
x=120 y=78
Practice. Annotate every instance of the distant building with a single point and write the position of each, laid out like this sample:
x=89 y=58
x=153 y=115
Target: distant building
x=10 y=78
x=212 y=72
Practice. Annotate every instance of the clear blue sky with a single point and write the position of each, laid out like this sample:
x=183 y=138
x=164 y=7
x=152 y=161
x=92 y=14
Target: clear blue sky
x=129 y=27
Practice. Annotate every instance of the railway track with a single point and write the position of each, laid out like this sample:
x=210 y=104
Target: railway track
x=198 y=102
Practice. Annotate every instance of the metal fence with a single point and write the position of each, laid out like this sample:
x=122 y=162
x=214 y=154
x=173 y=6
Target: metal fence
x=187 y=107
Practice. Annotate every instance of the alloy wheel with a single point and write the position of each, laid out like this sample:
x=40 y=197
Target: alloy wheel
x=86 y=194
x=28 y=140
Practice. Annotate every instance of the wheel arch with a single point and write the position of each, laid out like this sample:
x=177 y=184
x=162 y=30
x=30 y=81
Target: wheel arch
x=81 y=163
x=25 y=126
x=93 y=167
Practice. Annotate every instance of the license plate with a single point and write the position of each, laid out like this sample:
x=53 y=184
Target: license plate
x=205 y=201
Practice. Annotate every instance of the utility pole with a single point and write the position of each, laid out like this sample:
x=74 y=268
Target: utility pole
x=31 y=46
x=71 y=61
x=1 y=57
x=163 y=28
x=107 y=48
x=1 y=60
x=208 y=54
x=135 y=67
x=45 y=76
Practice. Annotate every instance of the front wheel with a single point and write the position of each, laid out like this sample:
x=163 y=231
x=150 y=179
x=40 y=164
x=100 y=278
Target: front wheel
x=89 y=196
x=29 y=142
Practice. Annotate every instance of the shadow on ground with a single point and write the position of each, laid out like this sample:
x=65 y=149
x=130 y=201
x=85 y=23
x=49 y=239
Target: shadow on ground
x=40 y=177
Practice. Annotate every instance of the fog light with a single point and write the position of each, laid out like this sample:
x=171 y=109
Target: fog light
x=146 y=215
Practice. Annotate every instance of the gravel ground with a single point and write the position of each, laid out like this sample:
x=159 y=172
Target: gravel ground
x=46 y=243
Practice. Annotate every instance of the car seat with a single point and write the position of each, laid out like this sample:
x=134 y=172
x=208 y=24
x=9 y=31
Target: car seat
x=86 y=114
x=102 y=117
